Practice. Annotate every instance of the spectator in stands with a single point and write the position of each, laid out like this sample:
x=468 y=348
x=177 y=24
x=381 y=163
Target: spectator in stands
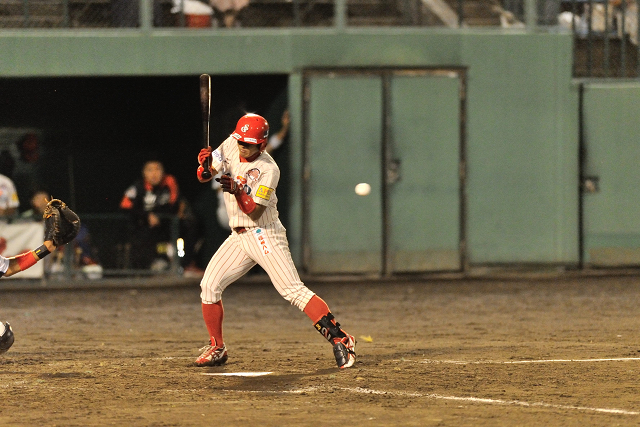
x=155 y=194
x=39 y=201
x=196 y=13
x=26 y=172
x=9 y=201
x=630 y=19
x=86 y=257
x=228 y=11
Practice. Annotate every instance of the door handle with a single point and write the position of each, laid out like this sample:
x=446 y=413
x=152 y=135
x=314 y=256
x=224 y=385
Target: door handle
x=591 y=184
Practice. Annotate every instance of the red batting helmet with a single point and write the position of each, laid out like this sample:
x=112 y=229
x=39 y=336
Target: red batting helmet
x=252 y=129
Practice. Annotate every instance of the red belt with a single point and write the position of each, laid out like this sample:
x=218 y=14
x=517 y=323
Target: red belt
x=240 y=230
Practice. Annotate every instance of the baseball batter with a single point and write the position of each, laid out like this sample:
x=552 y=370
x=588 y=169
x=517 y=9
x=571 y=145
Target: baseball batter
x=249 y=180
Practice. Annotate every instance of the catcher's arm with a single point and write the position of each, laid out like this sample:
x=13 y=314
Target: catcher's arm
x=23 y=261
x=61 y=226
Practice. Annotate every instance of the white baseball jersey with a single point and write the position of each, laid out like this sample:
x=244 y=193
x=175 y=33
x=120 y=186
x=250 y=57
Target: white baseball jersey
x=8 y=194
x=265 y=240
x=223 y=218
x=259 y=180
x=4 y=265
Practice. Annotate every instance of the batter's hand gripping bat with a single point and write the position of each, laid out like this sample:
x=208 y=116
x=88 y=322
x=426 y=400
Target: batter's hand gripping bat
x=205 y=102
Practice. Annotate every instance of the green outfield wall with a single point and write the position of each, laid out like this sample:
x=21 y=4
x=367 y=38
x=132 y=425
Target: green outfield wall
x=520 y=135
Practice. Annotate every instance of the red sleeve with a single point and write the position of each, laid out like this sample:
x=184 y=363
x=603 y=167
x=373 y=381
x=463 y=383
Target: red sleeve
x=126 y=203
x=172 y=184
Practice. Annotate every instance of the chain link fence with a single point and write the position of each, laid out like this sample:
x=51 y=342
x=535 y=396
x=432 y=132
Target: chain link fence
x=605 y=31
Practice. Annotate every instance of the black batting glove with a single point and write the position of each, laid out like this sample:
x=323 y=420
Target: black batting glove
x=229 y=185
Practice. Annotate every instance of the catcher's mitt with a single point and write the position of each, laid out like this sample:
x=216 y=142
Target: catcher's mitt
x=61 y=224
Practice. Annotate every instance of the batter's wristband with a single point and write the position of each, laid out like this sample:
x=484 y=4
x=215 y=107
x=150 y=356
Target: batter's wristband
x=245 y=202
x=26 y=260
x=42 y=252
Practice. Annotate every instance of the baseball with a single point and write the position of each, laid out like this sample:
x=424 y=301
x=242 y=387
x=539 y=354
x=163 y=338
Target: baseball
x=363 y=189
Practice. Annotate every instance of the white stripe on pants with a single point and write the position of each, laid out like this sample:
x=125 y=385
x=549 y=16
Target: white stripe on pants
x=240 y=252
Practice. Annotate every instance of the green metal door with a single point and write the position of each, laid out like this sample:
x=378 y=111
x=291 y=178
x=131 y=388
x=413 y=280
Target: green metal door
x=399 y=131
x=424 y=193
x=610 y=190
x=343 y=148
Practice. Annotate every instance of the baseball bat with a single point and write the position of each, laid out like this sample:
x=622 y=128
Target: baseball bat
x=205 y=102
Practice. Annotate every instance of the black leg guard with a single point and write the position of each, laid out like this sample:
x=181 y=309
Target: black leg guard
x=341 y=354
x=6 y=339
x=329 y=328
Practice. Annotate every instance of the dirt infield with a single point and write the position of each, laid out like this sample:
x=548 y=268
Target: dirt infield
x=561 y=352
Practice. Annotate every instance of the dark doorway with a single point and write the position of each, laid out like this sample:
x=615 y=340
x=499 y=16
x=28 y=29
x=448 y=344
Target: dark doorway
x=96 y=132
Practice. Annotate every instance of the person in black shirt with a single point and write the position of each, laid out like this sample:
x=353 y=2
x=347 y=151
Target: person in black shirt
x=157 y=193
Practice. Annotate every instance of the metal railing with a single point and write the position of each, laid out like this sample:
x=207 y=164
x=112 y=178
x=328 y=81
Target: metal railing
x=606 y=37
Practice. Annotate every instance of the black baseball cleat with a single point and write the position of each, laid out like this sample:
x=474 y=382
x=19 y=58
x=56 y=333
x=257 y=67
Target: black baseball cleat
x=7 y=338
x=345 y=351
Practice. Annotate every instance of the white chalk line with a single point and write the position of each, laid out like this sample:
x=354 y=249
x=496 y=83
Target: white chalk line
x=475 y=362
x=495 y=401
x=479 y=399
x=237 y=374
x=516 y=362
x=469 y=399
